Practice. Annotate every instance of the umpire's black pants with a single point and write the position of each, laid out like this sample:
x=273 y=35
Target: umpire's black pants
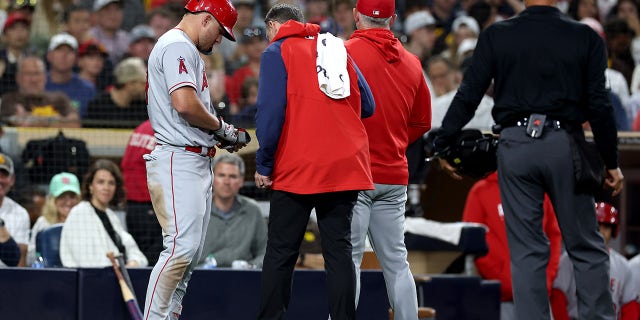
x=527 y=168
x=288 y=218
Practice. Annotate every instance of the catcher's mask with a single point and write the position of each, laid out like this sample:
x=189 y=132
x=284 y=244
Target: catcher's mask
x=472 y=153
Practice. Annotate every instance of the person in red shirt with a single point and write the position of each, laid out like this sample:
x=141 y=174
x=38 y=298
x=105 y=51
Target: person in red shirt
x=313 y=153
x=142 y=223
x=403 y=115
x=484 y=206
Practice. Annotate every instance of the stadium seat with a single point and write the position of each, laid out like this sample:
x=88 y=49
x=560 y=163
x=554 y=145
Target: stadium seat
x=48 y=244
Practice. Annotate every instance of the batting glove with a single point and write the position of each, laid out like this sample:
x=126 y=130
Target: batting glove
x=230 y=138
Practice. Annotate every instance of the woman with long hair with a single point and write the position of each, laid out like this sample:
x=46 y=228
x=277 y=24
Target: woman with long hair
x=92 y=228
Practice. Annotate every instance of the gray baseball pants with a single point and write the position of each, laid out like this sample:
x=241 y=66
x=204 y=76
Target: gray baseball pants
x=380 y=213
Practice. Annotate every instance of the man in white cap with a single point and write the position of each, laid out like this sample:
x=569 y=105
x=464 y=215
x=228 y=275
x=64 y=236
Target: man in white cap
x=420 y=28
x=62 y=56
x=14 y=219
x=467 y=22
x=463 y=28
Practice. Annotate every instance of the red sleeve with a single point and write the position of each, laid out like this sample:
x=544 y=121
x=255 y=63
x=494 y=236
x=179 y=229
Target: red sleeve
x=420 y=118
x=133 y=166
x=630 y=311
x=559 y=305
x=636 y=123
x=552 y=231
x=473 y=212
x=493 y=265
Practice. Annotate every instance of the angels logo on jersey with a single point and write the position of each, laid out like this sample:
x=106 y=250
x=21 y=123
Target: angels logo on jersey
x=182 y=67
x=205 y=83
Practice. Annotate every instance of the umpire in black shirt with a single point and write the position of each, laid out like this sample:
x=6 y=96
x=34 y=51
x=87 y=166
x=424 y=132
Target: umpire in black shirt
x=542 y=62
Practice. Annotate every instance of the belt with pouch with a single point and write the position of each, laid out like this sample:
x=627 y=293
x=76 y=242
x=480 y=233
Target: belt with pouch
x=524 y=122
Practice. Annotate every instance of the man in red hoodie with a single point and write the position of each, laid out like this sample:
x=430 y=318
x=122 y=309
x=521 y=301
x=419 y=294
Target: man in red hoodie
x=485 y=206
x=403 y=114
x=313 y=153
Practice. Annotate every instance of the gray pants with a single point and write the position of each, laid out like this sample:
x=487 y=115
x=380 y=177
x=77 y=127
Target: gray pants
x=507 y=311
x=380 y=212
x=527 y=169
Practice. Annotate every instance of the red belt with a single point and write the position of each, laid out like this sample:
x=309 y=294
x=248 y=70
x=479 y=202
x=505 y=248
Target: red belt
x=203 y=151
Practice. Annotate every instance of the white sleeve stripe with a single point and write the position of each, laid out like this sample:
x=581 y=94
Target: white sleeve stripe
x=182 y=84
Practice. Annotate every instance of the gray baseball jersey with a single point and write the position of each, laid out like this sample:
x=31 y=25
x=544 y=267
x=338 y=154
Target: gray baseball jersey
x=622 y=292
x=634 y=266
x=179 y=180
x=175 y=63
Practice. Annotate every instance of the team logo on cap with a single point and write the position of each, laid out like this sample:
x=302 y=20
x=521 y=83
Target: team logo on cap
x=376 y=12
x=182 y=67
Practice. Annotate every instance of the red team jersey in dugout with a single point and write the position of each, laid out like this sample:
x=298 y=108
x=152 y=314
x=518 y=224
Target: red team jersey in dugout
x=388 y=143
x=484 y=206
x=134 y=170
x=323 y=146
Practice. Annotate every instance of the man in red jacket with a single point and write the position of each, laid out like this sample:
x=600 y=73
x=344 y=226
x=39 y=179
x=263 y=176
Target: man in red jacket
x=403 y=114
x=313 y=153
x=484 y=206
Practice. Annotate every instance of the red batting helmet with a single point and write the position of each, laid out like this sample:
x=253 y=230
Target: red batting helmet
x=606 y=213
x=222 y=10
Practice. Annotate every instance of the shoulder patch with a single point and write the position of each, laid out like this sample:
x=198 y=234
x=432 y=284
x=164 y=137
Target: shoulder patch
x=182 y=67
x=205 y=83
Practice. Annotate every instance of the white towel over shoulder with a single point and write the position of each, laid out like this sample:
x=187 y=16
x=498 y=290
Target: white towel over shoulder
x=331 y=66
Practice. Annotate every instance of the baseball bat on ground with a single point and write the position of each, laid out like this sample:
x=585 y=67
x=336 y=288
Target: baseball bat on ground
x=127 y=294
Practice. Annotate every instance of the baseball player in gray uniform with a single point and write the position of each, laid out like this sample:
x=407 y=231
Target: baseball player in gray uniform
x=634 y=265
x=187 y=130
x=624 y=293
